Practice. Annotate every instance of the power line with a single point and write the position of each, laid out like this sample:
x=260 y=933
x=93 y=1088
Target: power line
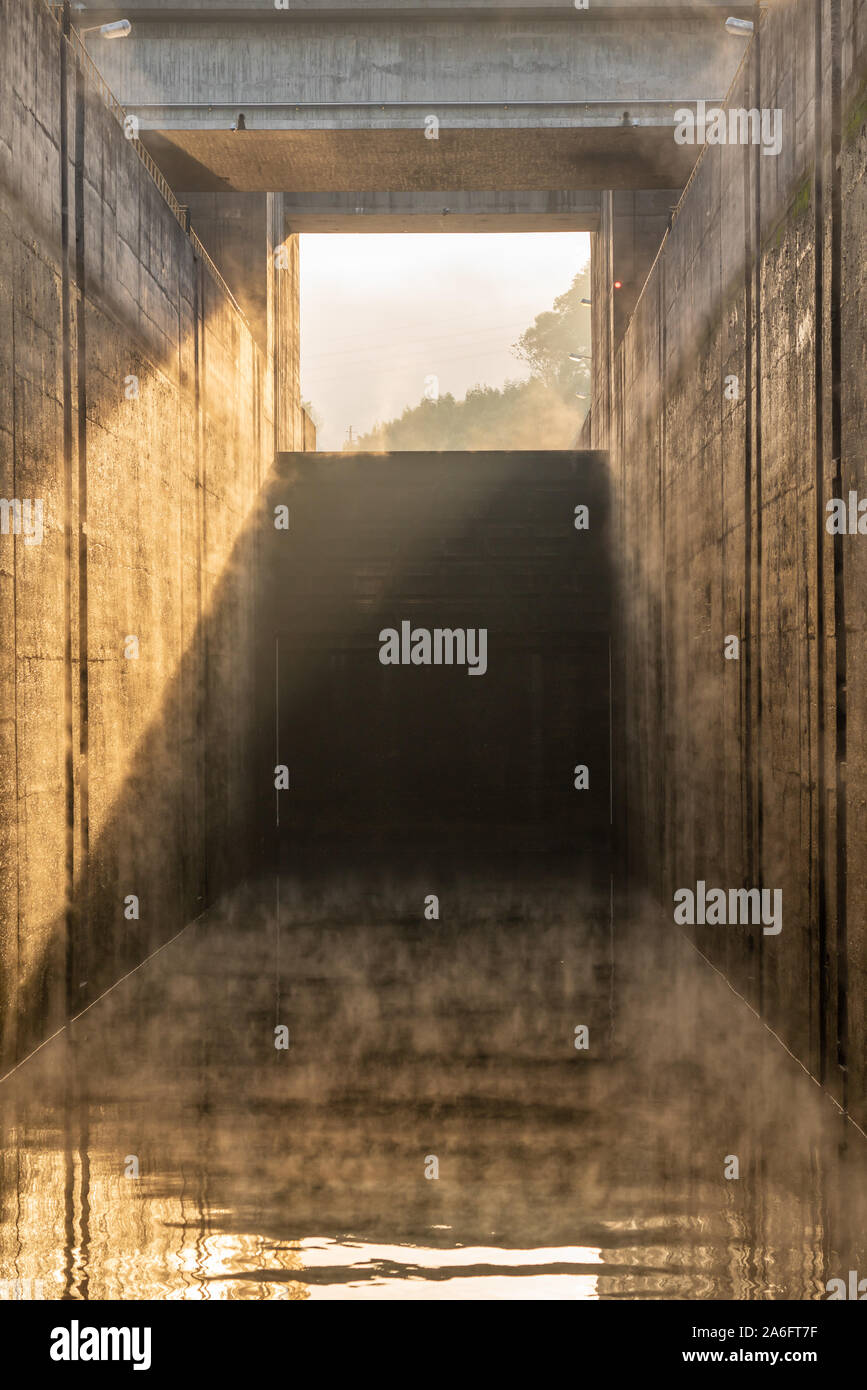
x=366 y=369
x=378 y=368
x=389 y=343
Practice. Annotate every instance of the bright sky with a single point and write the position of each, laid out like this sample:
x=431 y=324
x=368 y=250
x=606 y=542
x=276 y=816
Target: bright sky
x=380 y=313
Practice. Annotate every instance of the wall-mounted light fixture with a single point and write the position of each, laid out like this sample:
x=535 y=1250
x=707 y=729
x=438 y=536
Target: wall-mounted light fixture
x=741 y=28
x=117 y=29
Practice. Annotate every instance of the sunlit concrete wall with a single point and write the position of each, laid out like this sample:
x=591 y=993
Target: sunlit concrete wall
x=734 y=409
x=137 y=407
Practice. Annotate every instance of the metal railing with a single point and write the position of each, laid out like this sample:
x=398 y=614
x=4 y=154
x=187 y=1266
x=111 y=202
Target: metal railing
x=110 y=101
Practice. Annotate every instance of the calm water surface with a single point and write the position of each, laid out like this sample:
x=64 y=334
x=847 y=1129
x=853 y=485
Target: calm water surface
x=417 y=1046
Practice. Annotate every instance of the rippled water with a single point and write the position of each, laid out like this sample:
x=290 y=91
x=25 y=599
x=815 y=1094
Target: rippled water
x=562 y=1174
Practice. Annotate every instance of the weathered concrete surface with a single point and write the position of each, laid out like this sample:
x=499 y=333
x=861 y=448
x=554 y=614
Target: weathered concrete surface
x=271 y=60
x=234 y=229
x=291 y=423
x=249 y=238
x=638 y=221
x=574 y=99
x=752 y=772
x=136 y=405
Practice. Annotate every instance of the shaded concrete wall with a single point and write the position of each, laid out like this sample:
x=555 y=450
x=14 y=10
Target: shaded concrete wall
x=136 y=405
x=638 y=220
x=752 y=772
x=234 y=229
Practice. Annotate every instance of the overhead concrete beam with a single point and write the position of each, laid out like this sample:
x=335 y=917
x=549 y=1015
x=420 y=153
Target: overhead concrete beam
x=278 y=63
x=593 y=98
x=441 y=212
x=384 y=161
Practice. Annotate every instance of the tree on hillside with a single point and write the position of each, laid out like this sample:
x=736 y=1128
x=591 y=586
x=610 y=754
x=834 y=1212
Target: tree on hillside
x=547 y=410
x=545 y=346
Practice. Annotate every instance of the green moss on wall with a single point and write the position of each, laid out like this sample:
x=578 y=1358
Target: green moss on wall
x=856 y=115
x=798 y=204
x=801 y=201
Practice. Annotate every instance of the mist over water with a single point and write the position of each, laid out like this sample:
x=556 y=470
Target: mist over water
x=300 y=1173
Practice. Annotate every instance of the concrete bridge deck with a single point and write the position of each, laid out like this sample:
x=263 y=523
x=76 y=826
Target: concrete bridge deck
x=539 y=98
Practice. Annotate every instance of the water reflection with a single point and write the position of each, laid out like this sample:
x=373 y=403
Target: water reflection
x=562 y=1174
x=339 y=1269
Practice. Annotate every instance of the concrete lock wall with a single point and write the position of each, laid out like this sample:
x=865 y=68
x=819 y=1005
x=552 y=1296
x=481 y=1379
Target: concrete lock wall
x=136 y=408
x=734 y=410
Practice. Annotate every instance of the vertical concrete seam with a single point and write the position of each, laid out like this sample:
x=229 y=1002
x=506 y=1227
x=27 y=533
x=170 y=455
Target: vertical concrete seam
x=182 y=410
x=757 y=469
x=821 y=847
x=255 y=588
x=609 y=312
x=746 y=633
x=618 y=832
x=82 y=965
x=662 y=694
x=66 y=370
x=10 y=1043
x=201 y=729
x=839 y=572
